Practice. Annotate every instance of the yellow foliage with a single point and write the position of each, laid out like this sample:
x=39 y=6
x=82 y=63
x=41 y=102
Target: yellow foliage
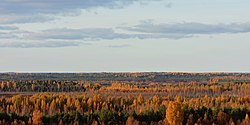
x=175 y=113
x=37 y=117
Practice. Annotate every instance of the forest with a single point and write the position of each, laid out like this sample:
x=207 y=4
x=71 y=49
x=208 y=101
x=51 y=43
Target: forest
x=150 y=98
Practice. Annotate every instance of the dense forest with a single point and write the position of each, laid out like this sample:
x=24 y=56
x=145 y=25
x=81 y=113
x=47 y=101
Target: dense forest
x=136 y=76
x=125 y=98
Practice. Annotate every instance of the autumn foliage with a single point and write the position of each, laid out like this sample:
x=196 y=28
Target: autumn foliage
x=175 y=113
x=213 y=101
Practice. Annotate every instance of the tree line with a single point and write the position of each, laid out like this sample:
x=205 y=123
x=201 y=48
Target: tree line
x=103 y=102
x=66 y=108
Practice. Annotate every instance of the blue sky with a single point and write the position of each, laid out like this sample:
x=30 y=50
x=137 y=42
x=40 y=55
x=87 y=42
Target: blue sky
x=125 y=35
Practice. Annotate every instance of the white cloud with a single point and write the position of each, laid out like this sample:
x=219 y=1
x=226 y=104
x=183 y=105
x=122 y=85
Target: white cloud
x=4 y=35
x=8 y=28
x=38 y=44
x=88 y=34
x=56 y=6
x=28 y=11
x=21 y=19
x=119 y=46
x=62 y=37
x=190 y=28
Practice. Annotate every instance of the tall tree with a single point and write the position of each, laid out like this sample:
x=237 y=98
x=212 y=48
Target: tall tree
x=175 y=113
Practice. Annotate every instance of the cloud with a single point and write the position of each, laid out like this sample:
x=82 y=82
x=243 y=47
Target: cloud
x=192 y=28
x=8 y=28
x=25 y=19
x=88 y=34
x=39 y=44
x=4 y=35
x=56 y=6
x=95 y=34
x=28 y=11
x=62 y=37
x=169 y=5
x=119 y=46
x=147 y=29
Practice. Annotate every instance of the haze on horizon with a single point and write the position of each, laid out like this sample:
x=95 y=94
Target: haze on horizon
x=120 y=36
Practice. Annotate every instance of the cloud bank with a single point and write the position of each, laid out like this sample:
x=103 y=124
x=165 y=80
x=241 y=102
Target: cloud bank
x=30 y=11
x=74 y=37
x=119 y=46
x=88 y=34
x=190 y=28
x=56 y=6
x=141 y=31
x=8 y=28
x=38 y=44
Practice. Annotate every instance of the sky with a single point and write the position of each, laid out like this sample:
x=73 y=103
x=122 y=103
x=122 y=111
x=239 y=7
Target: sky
x=124 y=35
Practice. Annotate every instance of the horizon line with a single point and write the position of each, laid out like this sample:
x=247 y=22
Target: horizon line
x=124 y=71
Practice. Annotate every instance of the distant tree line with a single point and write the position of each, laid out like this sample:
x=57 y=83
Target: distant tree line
x=171 y=77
